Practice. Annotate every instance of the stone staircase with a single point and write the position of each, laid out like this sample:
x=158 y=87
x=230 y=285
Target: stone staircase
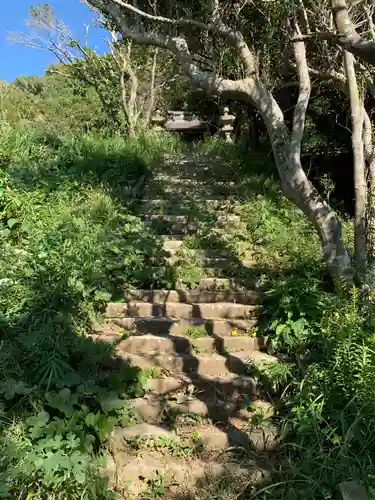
x=198 y=343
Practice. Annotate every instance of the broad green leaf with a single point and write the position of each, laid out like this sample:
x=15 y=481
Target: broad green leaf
x=38 y=420
x=91 y=419
x=102 y=295
x=63 y=400
x=4 y=233
x=105 y=426
x=110 y=401
x=10 y=388
x=12 y=222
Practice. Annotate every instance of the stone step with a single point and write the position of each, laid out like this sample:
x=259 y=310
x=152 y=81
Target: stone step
x=215 y=438
x=132 y=472
x=216 y=284
x=152 y=408
x=251 y=297
x=219 y=218
x=181 y=191
x=231 y=386
x=181 y=180
x=183 y=224
x=163 y=205
x=203 y=261
x=242 y=273
x=217 y=310
x=209 y=365
x=174 y=326
x=152 y=344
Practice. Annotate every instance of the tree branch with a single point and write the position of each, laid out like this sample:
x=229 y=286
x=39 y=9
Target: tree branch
x=235 y=38
x=299 y=115
x=354 y=43
x=207 y=80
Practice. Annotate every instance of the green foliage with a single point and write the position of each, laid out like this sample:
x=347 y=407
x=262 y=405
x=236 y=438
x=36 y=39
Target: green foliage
x=70 y=241
x=327 y=422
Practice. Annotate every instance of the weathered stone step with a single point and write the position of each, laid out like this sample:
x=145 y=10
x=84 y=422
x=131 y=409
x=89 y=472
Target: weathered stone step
x=219 y=218
x=212 y=437
x=152 y=344
x=216 y=310
x=132 y=472
x=251 y=297
x=232 y=386
x=243 y=273
x=174 y=326
x=203 y=261
x=184 y=224
x=229 y=386
x=208 y=365
x=170 y=206
x=179 y=180
x=152 y=409
x=181 y=191
x=216 y=284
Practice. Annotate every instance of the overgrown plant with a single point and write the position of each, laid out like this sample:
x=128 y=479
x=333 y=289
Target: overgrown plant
x=70 y=241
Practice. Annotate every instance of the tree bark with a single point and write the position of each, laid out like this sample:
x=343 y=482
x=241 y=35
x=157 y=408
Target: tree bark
x=297 y=187
x=360 y=187
x=348 y=36
x=370 y=215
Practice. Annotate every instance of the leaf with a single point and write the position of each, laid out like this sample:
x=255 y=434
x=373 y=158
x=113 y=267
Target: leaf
x=4 y=233
x=102 y=296
x=12 y=222
x=64 y=401
x=38 y=424
x=39 y=420
x=105 y=426
x=143 y=379
x=299 y=326
x=110 y=401
x=91 y=419
x=10 y=388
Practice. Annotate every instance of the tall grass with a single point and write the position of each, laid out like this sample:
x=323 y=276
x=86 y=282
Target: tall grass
x=70 y=240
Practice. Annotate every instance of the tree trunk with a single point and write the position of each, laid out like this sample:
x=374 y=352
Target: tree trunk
x=370 y=215
x=151 y=103
x=296 y=186
x=360 y=188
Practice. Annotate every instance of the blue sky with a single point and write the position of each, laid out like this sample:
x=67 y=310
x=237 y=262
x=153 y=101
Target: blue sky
x=16 y=60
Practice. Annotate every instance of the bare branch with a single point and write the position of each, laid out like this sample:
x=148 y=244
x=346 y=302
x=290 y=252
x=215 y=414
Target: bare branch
x=305 y=16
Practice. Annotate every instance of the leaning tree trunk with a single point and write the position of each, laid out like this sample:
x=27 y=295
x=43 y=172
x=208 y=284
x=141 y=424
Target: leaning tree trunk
x=294 y=182
x=297 y=187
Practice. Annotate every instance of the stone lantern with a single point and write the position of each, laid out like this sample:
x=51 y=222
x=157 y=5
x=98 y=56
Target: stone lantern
x=226 y=121
x=158 y=120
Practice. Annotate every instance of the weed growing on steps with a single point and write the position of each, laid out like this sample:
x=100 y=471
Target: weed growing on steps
x=70 y=241
x=196 y=332
x=166 y=445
